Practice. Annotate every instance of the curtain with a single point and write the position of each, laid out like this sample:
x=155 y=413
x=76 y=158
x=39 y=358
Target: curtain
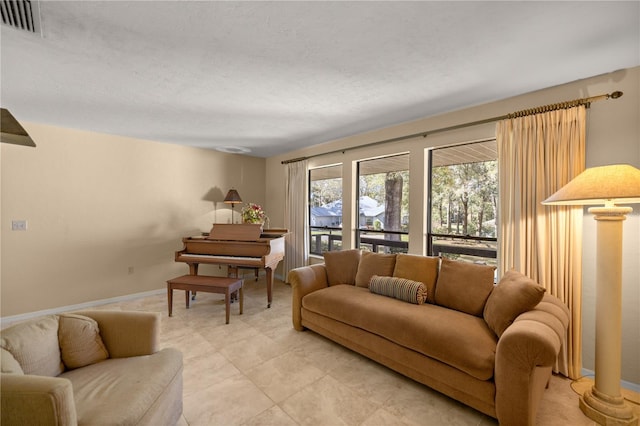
x=296 y=216
x=537 y=155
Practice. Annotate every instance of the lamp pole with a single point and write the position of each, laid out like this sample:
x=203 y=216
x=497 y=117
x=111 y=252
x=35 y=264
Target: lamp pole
x=604 y=402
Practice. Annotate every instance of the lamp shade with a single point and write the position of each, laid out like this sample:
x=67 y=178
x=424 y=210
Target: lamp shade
x=232 y=197
x=614 y=184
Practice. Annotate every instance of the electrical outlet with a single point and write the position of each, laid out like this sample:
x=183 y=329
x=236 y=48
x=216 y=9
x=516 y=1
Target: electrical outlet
x=18 y=225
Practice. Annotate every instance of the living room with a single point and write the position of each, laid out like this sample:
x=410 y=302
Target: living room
x=106 y=213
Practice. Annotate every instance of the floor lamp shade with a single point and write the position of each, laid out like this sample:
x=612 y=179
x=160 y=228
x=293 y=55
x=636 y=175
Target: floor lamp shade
x=608 y=186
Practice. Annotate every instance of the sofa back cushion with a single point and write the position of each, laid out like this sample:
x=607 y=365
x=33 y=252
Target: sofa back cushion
x=80 y=341
x=374 y=264
x=423 y=269
x=341 y=266
x=464 y=286
x=34 y=344
x=515 y=294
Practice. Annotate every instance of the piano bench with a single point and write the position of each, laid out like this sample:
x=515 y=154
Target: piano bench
x=208 y=284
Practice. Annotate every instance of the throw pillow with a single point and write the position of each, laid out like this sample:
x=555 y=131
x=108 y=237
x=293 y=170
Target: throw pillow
x=515 y=294
x=8 y=363
x=464 y=286
x=419 y=268
x=341 y=266
x=80 y=341
x=374 y=264
x=34 y=344
x=399 y=288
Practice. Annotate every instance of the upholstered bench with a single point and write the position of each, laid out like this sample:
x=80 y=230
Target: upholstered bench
x=207 y=284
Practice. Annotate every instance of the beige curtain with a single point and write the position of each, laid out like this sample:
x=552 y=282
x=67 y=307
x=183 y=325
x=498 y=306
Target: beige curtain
x=296 y=216
x=537 y=155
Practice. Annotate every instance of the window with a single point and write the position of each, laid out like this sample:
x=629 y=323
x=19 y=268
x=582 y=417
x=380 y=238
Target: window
x=383 y=204
x=463 y=202
x=325 y=209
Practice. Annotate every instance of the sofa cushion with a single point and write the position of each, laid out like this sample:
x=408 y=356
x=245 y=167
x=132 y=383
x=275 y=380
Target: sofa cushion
x=120 y=391
x=464 y=286
x=399 y=288
x=374 y=264
x=80 y=341
x=8 y=363
x=419 y=268
x=514 y=295
x=34 y=344
x=341 y=266
x=460 y=340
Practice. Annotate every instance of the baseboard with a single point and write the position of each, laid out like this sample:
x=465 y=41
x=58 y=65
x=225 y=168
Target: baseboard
x=635 y=387
x=7 y=321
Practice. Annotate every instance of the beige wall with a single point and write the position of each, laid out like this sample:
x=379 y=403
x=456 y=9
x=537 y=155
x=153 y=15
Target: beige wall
x=613 y=136
x=106 y=213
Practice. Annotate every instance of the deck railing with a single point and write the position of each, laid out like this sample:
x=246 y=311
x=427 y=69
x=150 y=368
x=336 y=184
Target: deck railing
x=326 y=238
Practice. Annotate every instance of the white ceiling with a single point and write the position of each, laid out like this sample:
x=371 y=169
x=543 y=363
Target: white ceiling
x=276 y=76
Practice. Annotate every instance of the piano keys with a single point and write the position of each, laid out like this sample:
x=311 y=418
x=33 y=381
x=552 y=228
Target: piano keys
x=237 y=246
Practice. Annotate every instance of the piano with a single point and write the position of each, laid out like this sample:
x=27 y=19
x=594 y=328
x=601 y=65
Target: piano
x=237 y=246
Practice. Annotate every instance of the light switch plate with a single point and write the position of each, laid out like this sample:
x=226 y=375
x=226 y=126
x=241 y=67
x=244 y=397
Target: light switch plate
x=18 y=225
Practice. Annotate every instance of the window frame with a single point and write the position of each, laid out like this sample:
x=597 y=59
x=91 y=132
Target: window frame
x=371 y=243
x=330 y=234
x=434 y=249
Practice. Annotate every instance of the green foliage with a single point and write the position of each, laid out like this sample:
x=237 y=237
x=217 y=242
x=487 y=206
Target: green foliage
x=464 y=199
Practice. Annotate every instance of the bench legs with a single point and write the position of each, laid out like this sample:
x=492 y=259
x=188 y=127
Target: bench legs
x=228 y=287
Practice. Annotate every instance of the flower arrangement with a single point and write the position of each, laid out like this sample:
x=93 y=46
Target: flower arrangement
x=253 y=213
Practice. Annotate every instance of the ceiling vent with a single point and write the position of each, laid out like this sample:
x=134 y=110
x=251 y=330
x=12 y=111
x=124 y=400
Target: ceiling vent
x=21 y=14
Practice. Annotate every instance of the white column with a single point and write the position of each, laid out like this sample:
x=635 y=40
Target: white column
x=604 y=402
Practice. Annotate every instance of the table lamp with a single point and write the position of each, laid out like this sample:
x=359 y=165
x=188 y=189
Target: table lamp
x=608 y=186
x=232 y=198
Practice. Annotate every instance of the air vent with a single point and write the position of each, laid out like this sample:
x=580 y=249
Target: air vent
x=21 y=14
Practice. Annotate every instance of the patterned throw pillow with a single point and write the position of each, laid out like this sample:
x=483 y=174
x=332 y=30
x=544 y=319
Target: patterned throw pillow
x=399 y=288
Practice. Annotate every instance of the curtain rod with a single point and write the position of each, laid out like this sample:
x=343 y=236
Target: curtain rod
x=522 y=113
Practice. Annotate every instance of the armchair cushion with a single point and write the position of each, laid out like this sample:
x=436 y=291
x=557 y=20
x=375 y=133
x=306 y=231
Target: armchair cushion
x=34 y=344
x=9 y=363
x=80 y=341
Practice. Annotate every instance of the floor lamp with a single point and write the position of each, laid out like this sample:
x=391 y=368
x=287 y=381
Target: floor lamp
x=608 y=186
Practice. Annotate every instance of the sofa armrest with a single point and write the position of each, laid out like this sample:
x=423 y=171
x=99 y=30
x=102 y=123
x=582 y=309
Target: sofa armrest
x=525 y=356
x=127 y=333
x=36 y=400
x=305 y=280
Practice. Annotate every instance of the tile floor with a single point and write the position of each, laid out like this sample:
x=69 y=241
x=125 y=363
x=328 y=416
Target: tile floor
x=258 y=370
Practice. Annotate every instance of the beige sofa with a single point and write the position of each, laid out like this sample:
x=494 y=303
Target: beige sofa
x=442 y=323
x=90 y=367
